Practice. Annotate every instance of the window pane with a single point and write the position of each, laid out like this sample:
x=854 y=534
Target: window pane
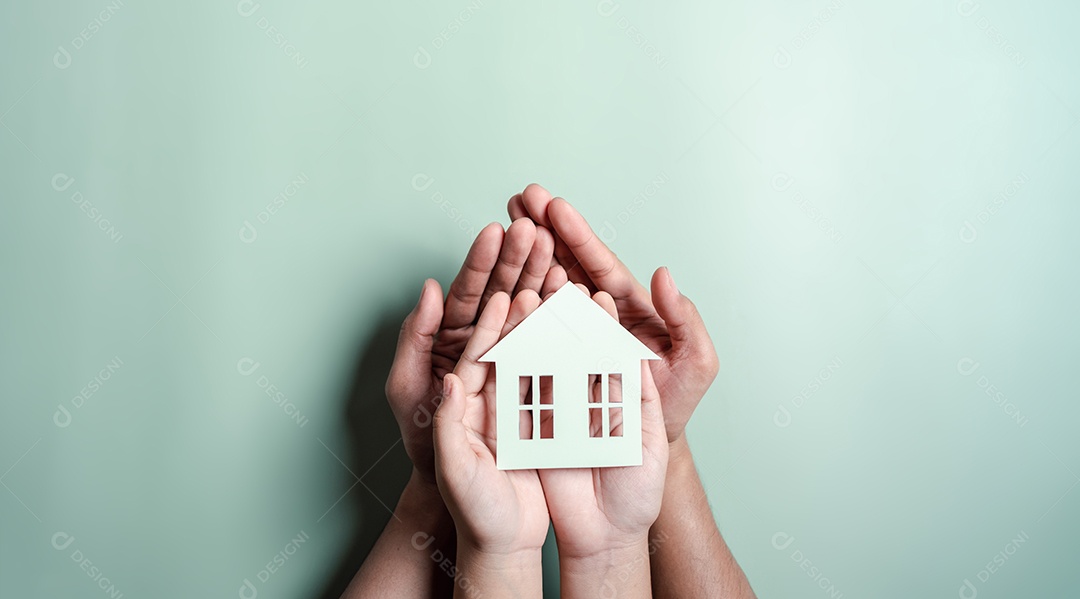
x=616 y=422
x=545 y=389
x=615 y=387
x=596 y=426
x=525 y=424
x=547 y=424
x=594 y=388
x=525 y=395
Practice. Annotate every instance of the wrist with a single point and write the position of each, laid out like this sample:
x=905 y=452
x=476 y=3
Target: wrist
x=422 y=505
x=620 y=566
x=679 y=452
x=498 y=572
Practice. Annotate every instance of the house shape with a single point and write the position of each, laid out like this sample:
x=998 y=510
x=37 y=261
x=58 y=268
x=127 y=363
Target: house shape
x=564 y=378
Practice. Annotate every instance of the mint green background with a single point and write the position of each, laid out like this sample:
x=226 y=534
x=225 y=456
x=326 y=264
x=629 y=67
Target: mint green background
x=816 y=213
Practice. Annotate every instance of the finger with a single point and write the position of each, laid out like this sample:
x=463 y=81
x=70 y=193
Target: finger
x=410 y=375
x=451 y=436
x=535 y=199
x=516 y=208
x=522 y=306
x=472 y=372
x=652 y=413
x=689 y=337
x=598 y=262
x=539 y=261
x=583 y=288
x=554 y=281
x=517 y=244
x=463 y=300
x=607 y=303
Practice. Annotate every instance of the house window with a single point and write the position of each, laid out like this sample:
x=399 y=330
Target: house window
x=535 y=407
x=605 y=405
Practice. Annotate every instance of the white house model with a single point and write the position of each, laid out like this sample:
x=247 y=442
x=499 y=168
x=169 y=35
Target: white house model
x=568 y=388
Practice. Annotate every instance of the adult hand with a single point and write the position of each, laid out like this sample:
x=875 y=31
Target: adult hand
x=667 y=322
x=435 y=332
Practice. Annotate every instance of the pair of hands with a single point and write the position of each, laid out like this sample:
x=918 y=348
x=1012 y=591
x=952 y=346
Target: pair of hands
x=506 y=512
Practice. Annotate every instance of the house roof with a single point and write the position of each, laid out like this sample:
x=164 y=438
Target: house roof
x=569 y=322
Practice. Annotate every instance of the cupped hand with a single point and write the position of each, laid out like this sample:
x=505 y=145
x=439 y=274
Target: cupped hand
x=496 y=511
x=436 y=331
x=599 y=509
x=667 y=321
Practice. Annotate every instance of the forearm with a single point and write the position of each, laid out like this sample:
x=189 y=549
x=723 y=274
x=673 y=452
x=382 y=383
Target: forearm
x=689 y=557
x=480 y=574
x=617 y=572
x=407 y=559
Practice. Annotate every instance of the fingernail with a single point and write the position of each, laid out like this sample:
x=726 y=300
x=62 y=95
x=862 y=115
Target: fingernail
x=671 y=280
x=447 y=386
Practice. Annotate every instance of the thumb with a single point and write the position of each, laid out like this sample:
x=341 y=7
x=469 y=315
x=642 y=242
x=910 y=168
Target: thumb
x=689 y=338
x=452 y=452
x=410 y=376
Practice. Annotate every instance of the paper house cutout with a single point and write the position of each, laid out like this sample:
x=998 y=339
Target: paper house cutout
x=567 y=363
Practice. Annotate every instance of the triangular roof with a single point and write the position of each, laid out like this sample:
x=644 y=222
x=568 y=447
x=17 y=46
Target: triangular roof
x=569 y=322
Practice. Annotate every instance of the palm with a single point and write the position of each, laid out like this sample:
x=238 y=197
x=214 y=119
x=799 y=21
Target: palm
x=498 y=509
x=590 y=505
x=509 y=503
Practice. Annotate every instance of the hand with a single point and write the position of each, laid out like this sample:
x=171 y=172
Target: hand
x=496 y=511
x=668 y=322
x=435 y=332
x=597 y=510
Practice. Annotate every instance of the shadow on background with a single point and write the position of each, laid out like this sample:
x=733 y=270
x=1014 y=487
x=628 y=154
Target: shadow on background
x=371 y=432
